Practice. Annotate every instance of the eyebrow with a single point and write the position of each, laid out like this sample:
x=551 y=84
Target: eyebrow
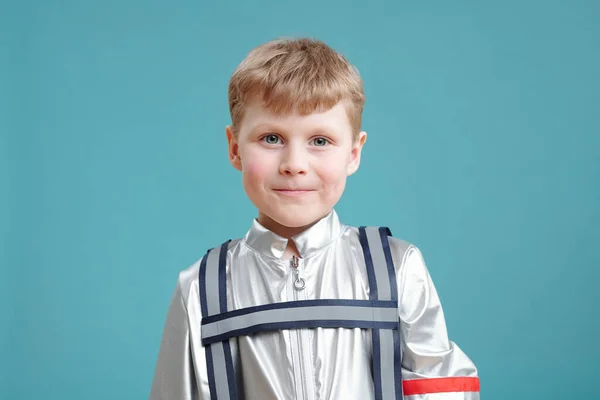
x=266 y=127
x=324 y=132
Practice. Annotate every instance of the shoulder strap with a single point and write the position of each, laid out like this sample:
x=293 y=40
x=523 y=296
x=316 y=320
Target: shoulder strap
x=387 y=372
x=212 y=281
x=379 y=313
x=378 y=259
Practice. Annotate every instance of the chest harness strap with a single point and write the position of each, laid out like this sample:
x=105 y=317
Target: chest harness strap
x=380 y=314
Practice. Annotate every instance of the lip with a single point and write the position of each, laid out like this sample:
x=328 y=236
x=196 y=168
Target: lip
x=293 y=192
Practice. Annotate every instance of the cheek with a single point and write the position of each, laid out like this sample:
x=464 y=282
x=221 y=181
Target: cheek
x=256 y=167
x=255 y=171
x=333 y=172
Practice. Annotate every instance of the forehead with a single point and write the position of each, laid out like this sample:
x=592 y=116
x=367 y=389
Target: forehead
x=334 y=120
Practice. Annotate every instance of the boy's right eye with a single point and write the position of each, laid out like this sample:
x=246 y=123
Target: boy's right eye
x=271 y=139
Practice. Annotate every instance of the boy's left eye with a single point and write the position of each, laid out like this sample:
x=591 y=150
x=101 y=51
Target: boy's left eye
x=320 y=141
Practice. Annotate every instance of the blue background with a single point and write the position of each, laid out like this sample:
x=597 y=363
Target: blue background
x=484 y=150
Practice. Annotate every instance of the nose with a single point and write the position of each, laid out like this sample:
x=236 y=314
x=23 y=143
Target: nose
x=294 y=161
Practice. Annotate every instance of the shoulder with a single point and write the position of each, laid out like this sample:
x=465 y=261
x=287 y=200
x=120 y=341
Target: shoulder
x=415 y=288
x=400 y=249
x=187 y=280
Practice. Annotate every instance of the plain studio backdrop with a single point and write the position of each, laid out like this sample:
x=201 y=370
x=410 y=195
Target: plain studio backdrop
x=484 y=151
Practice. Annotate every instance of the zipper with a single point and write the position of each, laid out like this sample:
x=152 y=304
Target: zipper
x=305 y=386
x=299 y=283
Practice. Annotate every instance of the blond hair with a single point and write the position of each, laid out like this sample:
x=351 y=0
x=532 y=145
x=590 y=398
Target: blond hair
x=302 y=75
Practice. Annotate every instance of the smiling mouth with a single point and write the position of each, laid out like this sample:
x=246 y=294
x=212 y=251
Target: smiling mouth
x=293 y=192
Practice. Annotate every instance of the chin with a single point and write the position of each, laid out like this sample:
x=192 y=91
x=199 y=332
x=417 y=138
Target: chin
x=296 y=218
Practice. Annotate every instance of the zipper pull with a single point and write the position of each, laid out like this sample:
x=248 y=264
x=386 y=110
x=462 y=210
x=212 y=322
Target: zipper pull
x=299 y=283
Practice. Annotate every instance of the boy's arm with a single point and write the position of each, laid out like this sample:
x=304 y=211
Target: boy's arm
x=433 y=367
x=175 y=375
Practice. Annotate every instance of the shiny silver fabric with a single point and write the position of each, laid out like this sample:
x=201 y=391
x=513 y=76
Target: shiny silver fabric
x=308 y=364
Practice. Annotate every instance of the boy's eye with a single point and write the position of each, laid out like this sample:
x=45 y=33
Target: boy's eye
x=271 y=139
x=320 y=141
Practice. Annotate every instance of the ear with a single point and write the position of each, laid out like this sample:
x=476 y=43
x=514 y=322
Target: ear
x=234 y=156
x=355 y=153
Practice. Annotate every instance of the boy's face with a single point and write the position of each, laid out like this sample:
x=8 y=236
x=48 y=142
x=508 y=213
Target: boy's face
x=294 y=167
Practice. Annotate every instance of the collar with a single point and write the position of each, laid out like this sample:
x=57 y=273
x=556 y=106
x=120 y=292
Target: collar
x=307 y=242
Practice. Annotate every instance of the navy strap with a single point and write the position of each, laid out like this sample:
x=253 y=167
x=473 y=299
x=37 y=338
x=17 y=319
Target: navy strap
x=364 y=314
x=213 y=301
x=387 y=372
x=379 y=313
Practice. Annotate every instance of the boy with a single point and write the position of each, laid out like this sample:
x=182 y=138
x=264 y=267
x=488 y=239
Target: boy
x=299 y=280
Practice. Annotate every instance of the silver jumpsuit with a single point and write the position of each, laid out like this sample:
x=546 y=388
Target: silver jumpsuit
x=311 y=364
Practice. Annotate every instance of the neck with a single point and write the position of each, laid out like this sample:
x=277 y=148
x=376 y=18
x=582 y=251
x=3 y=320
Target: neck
x=284 y=231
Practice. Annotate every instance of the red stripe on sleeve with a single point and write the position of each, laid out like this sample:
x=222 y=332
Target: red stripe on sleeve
x=440 y=385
